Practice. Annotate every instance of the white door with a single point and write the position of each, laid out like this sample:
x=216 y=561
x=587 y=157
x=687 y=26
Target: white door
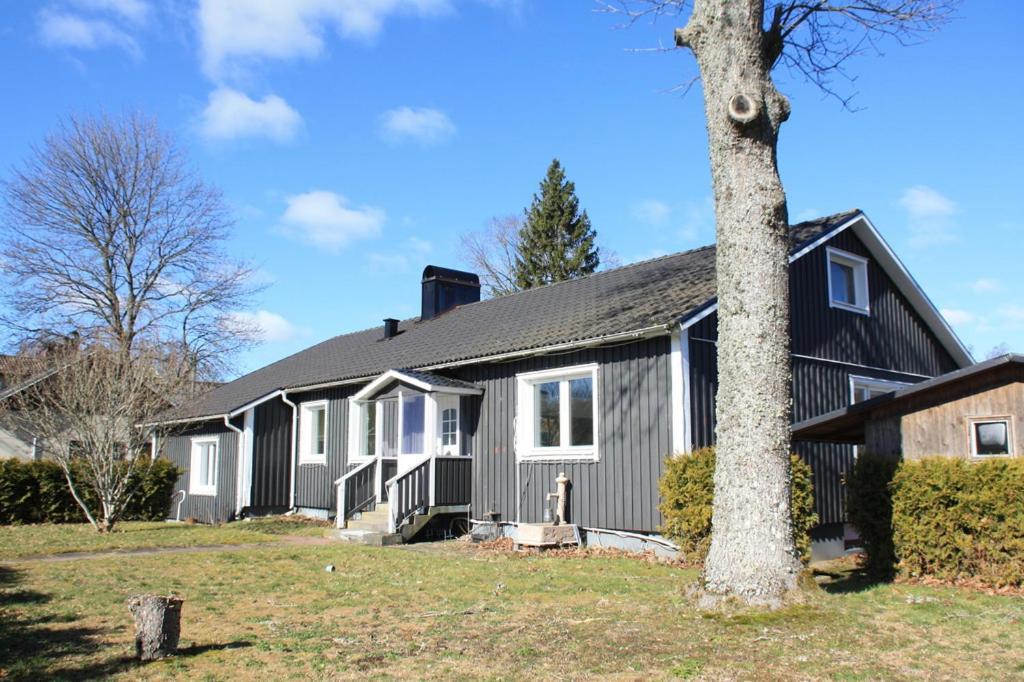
x=448 y=436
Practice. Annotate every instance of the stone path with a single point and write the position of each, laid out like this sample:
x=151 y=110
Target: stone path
x=285 y=541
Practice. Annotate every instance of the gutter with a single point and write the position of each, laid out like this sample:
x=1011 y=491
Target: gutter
x=294 y=435
x=240 y=454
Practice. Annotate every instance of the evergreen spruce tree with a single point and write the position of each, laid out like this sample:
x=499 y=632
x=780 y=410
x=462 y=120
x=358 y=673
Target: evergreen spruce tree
x=556 y=242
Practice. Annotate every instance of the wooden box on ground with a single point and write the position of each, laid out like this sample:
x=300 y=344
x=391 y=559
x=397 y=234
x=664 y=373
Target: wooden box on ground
x=545 y=535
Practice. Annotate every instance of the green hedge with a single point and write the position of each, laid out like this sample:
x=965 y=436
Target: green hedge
x=869 y=508
x=37 y=492
x=950 y=519
x=687 y=489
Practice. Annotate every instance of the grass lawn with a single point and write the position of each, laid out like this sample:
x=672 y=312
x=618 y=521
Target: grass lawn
x=26 y=541
x=450 y=610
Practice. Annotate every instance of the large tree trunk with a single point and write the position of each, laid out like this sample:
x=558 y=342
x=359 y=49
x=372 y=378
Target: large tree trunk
x=752 y=556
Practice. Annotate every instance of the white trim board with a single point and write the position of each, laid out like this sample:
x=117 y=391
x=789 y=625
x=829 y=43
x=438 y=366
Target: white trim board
x=897 y=272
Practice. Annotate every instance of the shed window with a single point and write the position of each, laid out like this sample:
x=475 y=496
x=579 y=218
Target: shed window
x=203 y=470
x=313 y=436
x=848 y=281
x=990 y=438
x=557 y=414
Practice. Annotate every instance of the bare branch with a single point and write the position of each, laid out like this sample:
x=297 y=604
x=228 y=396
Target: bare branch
x=492 y=252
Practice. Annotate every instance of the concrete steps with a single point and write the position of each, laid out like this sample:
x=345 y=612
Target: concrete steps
x=375 y=521
x=371 y=538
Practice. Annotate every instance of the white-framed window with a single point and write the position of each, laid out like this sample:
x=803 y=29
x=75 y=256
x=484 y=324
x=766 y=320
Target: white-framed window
x=313 y=433
x=991 y=436
x=866 y=388
x=848 y=281
x=364 y=430
x=557 y=414
x=447 y=434
x=202 y=477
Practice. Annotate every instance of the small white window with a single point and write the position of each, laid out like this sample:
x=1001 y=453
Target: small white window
x=557 y=414
x=364 y=430
x=202 y=479
x=991 y=437
x=866 y=388
x=848 y=281
x=313 y=433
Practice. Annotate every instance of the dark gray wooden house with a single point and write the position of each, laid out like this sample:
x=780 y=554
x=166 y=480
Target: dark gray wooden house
x=476 y=406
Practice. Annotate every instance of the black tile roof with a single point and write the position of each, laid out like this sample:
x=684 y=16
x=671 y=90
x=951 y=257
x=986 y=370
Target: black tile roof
x=644 y=295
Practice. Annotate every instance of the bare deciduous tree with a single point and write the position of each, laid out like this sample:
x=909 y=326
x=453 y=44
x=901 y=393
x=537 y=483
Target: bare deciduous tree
x=492 y=253
x=109 y=233
x=90 y=412
x=737 y=44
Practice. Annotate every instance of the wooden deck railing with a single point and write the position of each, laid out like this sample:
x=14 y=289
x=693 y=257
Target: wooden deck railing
x=439 y=481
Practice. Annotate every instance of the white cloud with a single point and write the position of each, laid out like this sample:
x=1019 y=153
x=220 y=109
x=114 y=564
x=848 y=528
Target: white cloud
x=325 y=219
x=245 y=30
x=136 y=11
x=269 y=326
x=231 y=114
x=652 y=211
x=986 y=286
x=426 y=126
x=930 y=216
x=957 y=317
x=412 y=253
x=61 y=29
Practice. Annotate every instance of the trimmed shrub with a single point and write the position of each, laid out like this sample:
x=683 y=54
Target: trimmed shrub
x=37 y=492
x=869 y=508
x=954 y=519
x=687 y=490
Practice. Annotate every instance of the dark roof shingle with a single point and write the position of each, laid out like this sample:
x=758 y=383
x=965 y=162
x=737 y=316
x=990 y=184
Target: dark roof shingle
x=635 y=297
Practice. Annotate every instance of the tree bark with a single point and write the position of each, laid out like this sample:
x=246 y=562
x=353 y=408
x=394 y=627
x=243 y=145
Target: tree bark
x=157 y=625
x=752 y=556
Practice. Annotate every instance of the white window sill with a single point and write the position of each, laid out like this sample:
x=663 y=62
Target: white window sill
x=557 y=455
x=203 y=492
x=360 y=459
x=321 y=461
x=982 y=458
x=850 y=308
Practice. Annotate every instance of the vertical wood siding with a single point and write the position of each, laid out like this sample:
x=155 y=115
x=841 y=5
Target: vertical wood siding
x=271 y=456
x=205 y=508
x=620 y=490
x=893 y=342
x=314 y=483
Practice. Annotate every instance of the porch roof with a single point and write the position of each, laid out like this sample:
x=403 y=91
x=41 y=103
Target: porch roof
x=425 y=381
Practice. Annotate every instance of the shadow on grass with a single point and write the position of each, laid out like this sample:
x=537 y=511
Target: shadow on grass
x=848 y=581
x=47 y=646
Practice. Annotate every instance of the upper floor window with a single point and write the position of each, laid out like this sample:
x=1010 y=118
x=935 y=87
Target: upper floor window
x=866 y=388
x=556 y=413
x=990 y=437
x=848 y=281
x=313 y=434
x=202 y=478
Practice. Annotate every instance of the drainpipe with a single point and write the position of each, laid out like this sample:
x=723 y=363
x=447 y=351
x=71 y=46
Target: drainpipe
x=239 y=456
x=295 y=425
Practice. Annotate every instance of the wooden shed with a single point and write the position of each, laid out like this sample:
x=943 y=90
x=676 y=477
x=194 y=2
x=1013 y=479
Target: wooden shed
x=973 y=413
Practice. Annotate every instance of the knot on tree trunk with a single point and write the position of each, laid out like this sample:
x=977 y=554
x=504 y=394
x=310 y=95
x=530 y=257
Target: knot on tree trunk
x=743 y=108
x=157 y=625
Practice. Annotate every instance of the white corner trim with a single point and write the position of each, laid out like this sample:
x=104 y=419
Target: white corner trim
x=293 y=470
x=679 y=414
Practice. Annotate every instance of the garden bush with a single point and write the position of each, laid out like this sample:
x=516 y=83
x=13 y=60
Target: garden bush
x=950 y=519
x=687 y=490
x=37 y=492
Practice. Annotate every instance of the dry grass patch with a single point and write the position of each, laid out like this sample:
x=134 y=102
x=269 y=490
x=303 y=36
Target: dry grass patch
x=447 y=611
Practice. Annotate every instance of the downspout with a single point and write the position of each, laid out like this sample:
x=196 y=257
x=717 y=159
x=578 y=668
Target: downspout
x=239 y=456
x=291 y=471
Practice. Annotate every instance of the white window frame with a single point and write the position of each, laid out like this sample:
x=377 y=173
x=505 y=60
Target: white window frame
x=972 y=434
x=446 y=402
x=861 y=293
x=306 y=454
x=526 y=448
x=357 y=430
x=888 y=385
x=194 y=486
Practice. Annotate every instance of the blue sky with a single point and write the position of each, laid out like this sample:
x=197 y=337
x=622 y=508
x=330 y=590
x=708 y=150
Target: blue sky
x=356 y=144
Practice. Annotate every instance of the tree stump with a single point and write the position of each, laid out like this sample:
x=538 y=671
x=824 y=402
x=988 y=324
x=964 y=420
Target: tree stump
x=157 y=625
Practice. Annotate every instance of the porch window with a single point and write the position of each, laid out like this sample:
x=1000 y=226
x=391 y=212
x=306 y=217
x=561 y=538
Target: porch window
x=413 y=422
x=202 y=478
x=991 y=438
x=313 y=434
x=848 y=281
x=557 y=414
x=363 y=430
